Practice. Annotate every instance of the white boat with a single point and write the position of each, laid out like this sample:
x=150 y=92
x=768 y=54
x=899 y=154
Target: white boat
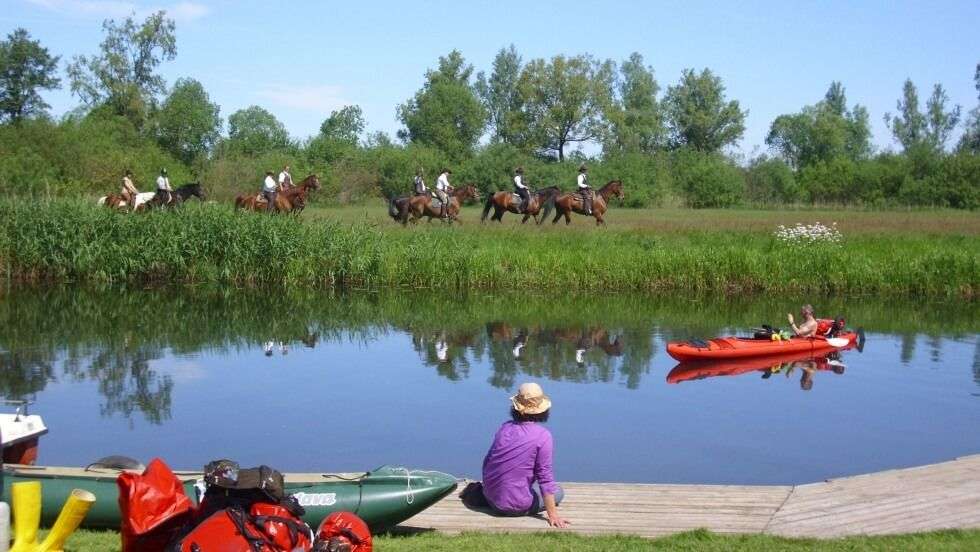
x=19 y=434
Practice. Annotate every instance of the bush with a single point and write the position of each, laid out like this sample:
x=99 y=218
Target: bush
x=770 y=181
x=707 y=180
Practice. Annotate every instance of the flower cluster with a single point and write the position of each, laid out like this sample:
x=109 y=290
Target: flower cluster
x=803 y=234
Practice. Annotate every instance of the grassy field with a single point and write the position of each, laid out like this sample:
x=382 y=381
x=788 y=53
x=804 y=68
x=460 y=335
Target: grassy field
x=934 y=253
x=108 y=541
x=674 y=221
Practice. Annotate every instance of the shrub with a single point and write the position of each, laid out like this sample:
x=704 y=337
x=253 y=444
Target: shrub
x=707 y=180
x=771 y=180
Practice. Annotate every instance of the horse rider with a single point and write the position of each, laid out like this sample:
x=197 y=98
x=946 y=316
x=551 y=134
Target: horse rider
x=584 y=189
x=521 y=189
x=269 y=191
x=129 y=190
x=164 y=191
x=442 y=192
x=419 y=183
x=285 y=179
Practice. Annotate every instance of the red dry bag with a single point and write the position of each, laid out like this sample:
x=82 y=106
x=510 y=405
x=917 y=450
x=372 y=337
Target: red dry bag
x=343 y=532
x=153 y=507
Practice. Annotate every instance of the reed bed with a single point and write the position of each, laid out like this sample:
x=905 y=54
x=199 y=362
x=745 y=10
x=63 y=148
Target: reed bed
x=71 y=241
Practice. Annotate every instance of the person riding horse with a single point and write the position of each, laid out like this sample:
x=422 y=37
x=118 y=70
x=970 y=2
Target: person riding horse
x=419 y=184
x=285 y=179
x=270 y=191
x=584 y=189
x=164 y=191
x=443 y=188
x=521 y=189
x=129 y=190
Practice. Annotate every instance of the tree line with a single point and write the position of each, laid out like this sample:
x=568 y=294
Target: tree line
x=670 y=146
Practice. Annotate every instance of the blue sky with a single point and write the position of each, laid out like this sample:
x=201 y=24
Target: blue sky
x=302 y=59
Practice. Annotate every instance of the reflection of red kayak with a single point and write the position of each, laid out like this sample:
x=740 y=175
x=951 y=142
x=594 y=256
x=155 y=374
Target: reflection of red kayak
x=694 y=370
x=744 y=347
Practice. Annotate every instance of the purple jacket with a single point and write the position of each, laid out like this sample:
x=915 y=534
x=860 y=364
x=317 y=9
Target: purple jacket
x=521 y=454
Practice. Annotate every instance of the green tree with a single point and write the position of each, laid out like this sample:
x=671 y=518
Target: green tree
x=123 y=75
x=636 y=120
x=970 y=141
x=188 y=123
x=565 y=100
x=25 y=68
x=345 y=125
x=445 y=113
x=915 y=130
x=823 y=131
x=500 y=97
x=698 y=115
x=940 y=120
x=255 y=131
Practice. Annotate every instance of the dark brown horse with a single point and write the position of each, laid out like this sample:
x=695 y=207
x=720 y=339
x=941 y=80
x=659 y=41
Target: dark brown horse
x=566 y=204
x=290 y=200
x=423 y=205
x=503 y=202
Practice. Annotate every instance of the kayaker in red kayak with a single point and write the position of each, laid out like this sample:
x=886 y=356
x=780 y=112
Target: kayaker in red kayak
x=809 y=326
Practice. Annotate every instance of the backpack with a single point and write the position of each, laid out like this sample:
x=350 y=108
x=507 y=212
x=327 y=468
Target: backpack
x=153 y=507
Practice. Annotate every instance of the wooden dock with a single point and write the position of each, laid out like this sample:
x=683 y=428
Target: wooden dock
x=937 y=496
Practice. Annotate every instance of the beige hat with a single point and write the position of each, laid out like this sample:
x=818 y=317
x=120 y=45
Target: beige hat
x=530 y=399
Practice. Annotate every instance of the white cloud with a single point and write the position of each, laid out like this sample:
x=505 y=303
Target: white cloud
x=113 y=9
x=321 y=99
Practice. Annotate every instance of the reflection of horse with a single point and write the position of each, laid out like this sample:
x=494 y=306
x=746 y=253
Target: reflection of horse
x=502 y=202
x=565 y=204
x=427 y=206
x=177 y=197
x=290 y=200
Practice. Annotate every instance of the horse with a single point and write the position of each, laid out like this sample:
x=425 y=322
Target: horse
x=114 y=201
x=565 y=204
x=422 y=205
x=502 y=202
x=177 y=197
x=290 y=200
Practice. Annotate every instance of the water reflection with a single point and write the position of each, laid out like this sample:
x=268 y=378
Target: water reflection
x=116 y=339
x=804 y=365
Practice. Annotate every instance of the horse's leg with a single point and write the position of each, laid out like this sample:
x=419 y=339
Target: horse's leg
x=526 y=216
x=568 y=217
x=557 y=216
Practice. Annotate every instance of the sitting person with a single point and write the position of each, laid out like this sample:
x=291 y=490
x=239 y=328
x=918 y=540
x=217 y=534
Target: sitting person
x=270 y=192
x=809 y=326
x=129 y=191
x=420 y=188
x=520 y=188
x=517 y=470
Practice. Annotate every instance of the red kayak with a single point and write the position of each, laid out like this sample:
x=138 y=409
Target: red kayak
x=686 y=371
x=744 y=347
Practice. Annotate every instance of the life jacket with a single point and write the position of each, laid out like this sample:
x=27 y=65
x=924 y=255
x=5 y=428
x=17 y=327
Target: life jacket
x=228 y=530
x=830 y=328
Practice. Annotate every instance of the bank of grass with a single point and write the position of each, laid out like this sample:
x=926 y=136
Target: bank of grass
x=78 y=242
x=108 y=541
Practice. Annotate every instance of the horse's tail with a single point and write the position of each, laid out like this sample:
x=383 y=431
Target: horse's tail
x=103 y=200
x=393 y=210
x=548 y=206
x=239 y=202
x=487 y=206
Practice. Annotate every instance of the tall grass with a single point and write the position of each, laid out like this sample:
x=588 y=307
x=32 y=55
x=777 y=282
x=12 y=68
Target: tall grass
x=74 y=241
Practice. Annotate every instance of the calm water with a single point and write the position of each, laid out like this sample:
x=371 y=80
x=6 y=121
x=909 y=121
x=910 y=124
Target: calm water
x=424 y=380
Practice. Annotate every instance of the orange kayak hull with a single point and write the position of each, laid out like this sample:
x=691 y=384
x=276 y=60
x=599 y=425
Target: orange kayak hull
x=722 y=348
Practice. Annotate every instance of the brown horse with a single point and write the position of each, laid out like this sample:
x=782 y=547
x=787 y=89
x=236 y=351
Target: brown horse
x=422 y=206
x=503 y=202
x=565 y=204
x=115 y=202
x=291 y=200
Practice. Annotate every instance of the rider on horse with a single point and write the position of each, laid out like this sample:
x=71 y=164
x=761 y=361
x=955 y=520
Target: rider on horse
x=164 y=190
x=129 y=190
x=285 y=179
x=521 y=189
x=442 y=192
x=419 y=184
x=584 y=189
x=269 y=191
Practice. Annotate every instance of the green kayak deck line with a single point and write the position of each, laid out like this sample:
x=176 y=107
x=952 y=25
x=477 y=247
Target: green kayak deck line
x=382 y=498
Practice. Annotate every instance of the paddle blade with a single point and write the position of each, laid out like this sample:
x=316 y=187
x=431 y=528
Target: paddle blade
x=860 y=343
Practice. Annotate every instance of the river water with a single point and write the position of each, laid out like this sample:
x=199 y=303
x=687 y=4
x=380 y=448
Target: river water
x=328 y=381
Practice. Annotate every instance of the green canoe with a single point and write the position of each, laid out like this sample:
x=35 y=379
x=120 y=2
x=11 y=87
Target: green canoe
x=382 y=498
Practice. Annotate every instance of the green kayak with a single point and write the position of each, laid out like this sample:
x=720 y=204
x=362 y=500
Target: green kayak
x=382 y=498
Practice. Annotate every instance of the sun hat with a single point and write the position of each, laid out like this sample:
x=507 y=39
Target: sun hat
x=530 y=399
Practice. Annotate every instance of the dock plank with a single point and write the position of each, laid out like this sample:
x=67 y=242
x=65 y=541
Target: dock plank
x=937 y=496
